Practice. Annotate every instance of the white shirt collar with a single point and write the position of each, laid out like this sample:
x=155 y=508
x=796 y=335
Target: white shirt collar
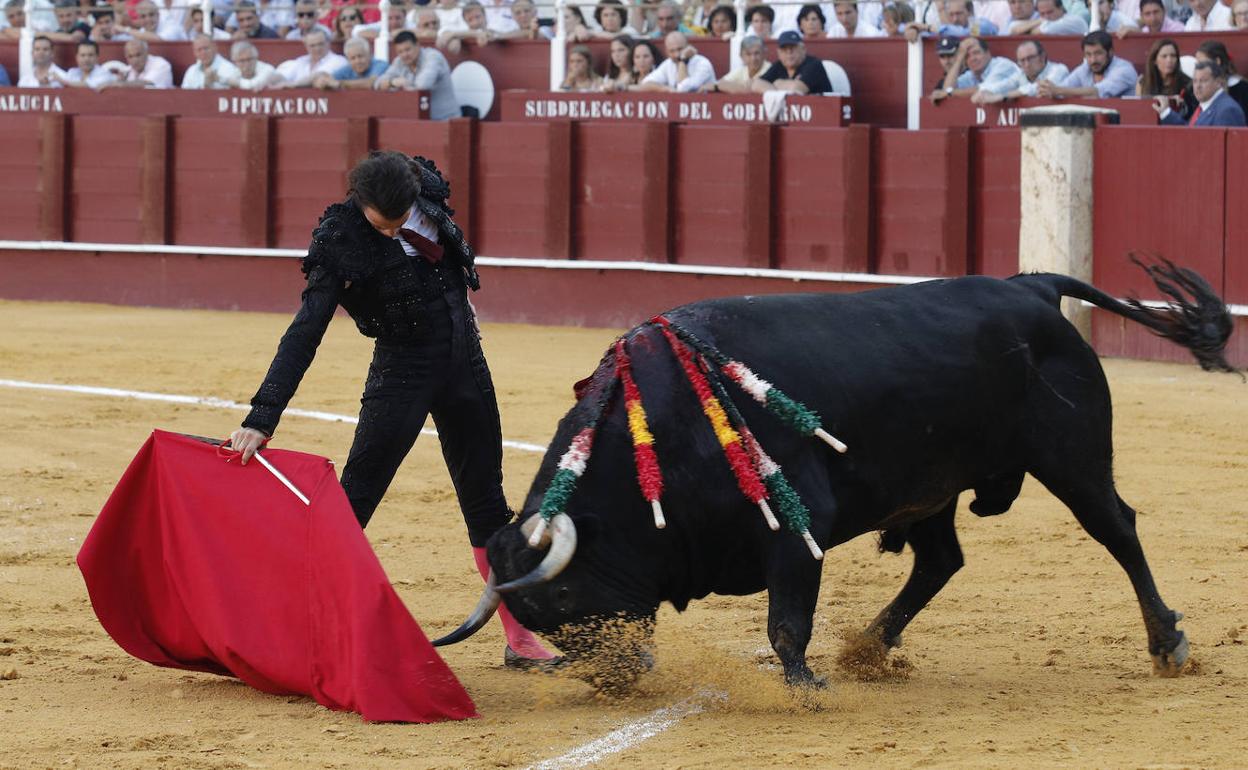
x=1216 y=94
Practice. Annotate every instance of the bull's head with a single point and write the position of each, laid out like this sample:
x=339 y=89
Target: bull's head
x=604 y=635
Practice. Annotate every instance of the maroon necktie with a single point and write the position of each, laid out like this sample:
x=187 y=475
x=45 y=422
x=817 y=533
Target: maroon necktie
x=1196 y=115
x=425 y=247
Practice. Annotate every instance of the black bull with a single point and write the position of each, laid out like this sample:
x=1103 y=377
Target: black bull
x=936 y=388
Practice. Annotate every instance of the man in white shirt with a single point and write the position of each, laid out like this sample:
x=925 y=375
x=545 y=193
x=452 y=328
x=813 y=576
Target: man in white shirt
x=850 y=23
x=753 y=64
x=421 y=68
x=88 y=73
x=253 y=74
x=397 y=16
x=1209 y=16
x=683 y=71
x=141 y=70
x=211 y=69
x=1034 y=67
x=298 y=73
x=306 y=13
x=44 y=73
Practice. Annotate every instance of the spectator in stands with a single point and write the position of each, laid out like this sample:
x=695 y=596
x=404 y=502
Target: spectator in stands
x=421 y=68
x=1021 y=13
x=895 y=18
x=1101 y=76
x=612 y=18
x=498 y=17
x=1112 y=20
x=1209 y=16
x=44 y=73
x=277 y=15
x=811 y=22
x=88 y=73
x=645 y=58
x=1153 y=20
x=141 y=70
x=476 y=29
x=193 y=25
x=426 y=24
x=753 y=64
x=761 y=18
x=524 y=13
x=723 y=23
x=361 y=70
x=1053 y=20
x=211 y=69
x=306 y=14
x=4 y=77
x=1212 y=50
x=946 y=52
x=683 y=71
x=619 y=75
x=850 y=24
x=105 y=29
x=700 y=20
x=796 y=71
x=581 y=77
x=995 y=11
x=574 y=25
x=15 y=16
x=253 y=74
x=1163 y=76
x=1034 y=68
x=958 y=21
x=149 y=28
x=667 y=19
x=69 y=27
x=1239 y=14
x=984 y=72
x=250 y=27
x=449 y=16
x=345 y=22
x=396 y=17
x=1215 y=107
x=298 y=72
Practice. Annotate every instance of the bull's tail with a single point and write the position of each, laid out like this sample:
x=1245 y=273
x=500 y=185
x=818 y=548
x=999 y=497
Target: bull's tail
x=1195 y=317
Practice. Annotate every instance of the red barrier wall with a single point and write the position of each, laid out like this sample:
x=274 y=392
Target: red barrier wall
x=522 y=190
x=721 y=194
x=310 y=163
x=21 y=205
x=818 y=224
x=112 y=160
x=1235 y=250
x=620 y=191
x=219 y=194
x=920 y=201
x=994 y=211
x=1156 y=207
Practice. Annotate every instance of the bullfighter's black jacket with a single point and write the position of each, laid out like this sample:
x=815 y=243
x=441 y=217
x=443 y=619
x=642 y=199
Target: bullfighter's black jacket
x=385 y=291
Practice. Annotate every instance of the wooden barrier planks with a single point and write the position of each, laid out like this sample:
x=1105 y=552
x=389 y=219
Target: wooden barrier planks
x=994 y=214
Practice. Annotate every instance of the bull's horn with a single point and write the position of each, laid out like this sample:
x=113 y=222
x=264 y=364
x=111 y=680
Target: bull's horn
x=562 y=546
x=481 y=614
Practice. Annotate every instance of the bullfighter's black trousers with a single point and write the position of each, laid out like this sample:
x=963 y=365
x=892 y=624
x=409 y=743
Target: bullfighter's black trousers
x=442 y=373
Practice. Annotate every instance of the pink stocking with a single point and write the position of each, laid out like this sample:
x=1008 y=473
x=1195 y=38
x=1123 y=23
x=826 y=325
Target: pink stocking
x=520 y=639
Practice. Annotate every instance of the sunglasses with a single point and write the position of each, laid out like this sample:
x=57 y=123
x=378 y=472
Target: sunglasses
x=345 y=17
x=306 y=14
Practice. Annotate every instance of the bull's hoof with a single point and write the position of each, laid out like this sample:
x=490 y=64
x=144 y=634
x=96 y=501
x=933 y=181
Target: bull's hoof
x=1170 y=664
x=517 y=662
x=806 y=680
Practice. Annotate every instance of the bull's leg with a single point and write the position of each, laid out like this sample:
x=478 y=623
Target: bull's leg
x=937 y=556
x=1111 y=522
x=792 y=591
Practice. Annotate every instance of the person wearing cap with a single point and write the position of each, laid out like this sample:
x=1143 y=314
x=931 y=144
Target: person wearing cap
x=946 y=51
x=984 y=71
x=795 y=71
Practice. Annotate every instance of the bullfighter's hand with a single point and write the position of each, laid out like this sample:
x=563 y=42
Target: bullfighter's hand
x=247 y=441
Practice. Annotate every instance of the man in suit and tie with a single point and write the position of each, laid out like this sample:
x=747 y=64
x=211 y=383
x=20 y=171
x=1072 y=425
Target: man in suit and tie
x=1215 y=108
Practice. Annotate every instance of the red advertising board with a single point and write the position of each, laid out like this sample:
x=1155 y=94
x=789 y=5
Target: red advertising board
x=656 y=107
x=961 y=112
x=293 y=103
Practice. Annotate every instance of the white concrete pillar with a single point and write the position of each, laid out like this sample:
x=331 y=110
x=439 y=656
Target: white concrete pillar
x=1055 y=196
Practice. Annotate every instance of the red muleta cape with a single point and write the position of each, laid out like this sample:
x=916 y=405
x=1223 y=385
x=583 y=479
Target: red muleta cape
x=208 y=565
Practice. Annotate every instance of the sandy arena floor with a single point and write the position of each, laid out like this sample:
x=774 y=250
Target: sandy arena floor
x=1033 y=656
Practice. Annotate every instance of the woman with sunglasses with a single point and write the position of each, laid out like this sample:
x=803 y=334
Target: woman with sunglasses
x=347 y=19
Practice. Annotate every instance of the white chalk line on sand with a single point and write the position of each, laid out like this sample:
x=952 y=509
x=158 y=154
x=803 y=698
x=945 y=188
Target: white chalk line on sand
x=216 y=403
x=614 y=742
x=631 y=734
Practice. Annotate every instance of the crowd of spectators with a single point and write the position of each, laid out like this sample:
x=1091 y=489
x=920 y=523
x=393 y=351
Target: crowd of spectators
x=652 y=45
